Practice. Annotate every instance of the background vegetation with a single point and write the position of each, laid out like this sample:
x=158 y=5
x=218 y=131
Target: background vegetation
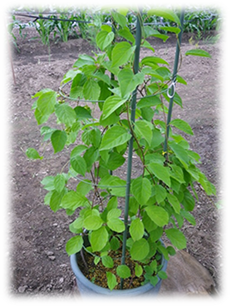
x=60 y=25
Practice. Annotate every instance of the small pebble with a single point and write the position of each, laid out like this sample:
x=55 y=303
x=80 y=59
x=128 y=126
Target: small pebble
x=49 y=253
x=22 y=289
x=61 y=280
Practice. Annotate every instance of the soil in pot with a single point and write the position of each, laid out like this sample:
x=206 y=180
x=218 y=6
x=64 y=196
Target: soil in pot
x=97 y=273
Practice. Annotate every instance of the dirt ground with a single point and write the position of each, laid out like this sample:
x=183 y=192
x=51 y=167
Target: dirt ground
x=39 y=263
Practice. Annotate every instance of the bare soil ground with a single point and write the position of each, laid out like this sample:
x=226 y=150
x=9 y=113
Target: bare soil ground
x=39 y=263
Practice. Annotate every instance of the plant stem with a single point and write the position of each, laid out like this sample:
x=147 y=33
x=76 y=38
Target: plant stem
x=83 y=259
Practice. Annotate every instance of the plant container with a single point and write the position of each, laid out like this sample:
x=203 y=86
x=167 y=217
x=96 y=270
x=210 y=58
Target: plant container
x=86 y=287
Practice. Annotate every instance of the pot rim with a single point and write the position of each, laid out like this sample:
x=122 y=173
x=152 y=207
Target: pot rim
x=105 y=291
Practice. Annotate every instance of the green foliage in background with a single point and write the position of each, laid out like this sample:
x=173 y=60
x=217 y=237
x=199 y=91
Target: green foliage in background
x=196 y=21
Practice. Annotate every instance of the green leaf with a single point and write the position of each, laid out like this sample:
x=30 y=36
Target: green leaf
x=128 y=81
x=45 y=105
x=182 y=125
x=112 y=203
x=198 y=52
x=174 y=202
x=109 y=181
x=149 y=60
x=177 y=173
x=138 y=270
x=147 y=45
x=162 y=274
x=84 y=60
x=113 y=213
x=106 y=28
x=163 y=251
x=55 y=200
x=116 y=225
x=59 y=182
x=136 y=229
x=96 y=260
x=48 y=182
x=141 y=189
x=165 y=13
x=74 y=245
x=65 y=114
x=115 y=161
x=153 y=280
x=188 y=201
x=91 y=90
x=47 y=197
x=158 y=215
x=157 y=138
x=104 y=39
x=160 y=193
x=98 y=239
x=208 y=186
x=114 y=243
x=103 y=85
x=171 y=251
x=133 y=206
x=161 y=172
x=119 y=18
x=125 y=32
x=115 y=136
x=84 y=187
x=47 y=132
x=107 y=261
x=170 y=29
x=180 y=153
x=143 y=130
x=111 y=280
x=93 y=221
x=148 y=101
x=77 y=151
x=179 y=79
x=111 y=104
x=79 y=165
x=73 y=199
x=121 y=53
x=82 y=113
x=156 y=234
x=58 y=140
x=76 y=225
x=176 y=237
x=189 y=217
x=123 y=271
x=139 y=249
x=33 y=154
x=148 y=223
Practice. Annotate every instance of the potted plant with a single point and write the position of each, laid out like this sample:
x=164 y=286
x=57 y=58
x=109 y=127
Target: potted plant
x=118 y=221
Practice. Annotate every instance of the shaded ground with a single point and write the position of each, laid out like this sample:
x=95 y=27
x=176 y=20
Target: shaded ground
x=38 y=236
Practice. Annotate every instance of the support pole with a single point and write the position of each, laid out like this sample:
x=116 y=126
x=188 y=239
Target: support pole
x=8 y=47
x=130 y=153
x=176 y=60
